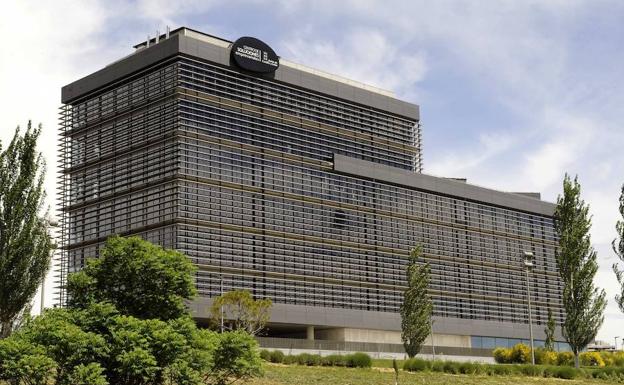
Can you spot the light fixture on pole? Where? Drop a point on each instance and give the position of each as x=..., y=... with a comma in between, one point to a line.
x=528, y=265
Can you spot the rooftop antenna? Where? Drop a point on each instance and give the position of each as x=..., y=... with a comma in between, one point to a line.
x=167, y=34
x=157, y=36
x=148, y=41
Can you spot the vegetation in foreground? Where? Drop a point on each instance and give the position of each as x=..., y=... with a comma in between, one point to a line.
x=127, y=324
x=305, y=375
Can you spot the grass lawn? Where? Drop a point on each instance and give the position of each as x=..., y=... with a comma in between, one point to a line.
x=305, y=375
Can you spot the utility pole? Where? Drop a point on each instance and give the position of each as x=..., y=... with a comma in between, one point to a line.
x=222, y=304
x=528, y=264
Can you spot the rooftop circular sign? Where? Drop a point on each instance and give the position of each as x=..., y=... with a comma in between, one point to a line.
x=254, y=55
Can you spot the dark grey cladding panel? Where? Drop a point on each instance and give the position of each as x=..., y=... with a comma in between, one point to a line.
x=329, y=317
x=221, y=55
x=352, y=166
x=120, y=69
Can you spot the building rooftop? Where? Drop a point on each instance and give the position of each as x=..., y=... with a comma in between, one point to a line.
x=220, y=42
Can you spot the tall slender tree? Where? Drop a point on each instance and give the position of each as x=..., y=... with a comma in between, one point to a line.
x=549, y=330
x=584, y=303
x=417, y=306
x=25, y=244
x=618, y=247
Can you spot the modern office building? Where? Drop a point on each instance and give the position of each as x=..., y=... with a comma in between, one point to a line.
x=300, y=186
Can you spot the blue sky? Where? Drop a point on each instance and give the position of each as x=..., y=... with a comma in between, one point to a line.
x=513, y=94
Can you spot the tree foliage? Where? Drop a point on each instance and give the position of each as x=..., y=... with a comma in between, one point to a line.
x=138, y=277
x=417, y=306
x=584, y=303
x=96, y=343
x=241, y=311
x=618, y=247
x=25, y=244
x=549, y=342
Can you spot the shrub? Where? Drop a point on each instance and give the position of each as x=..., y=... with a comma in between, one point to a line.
x=359, y=360
x=608, y=358
x=468, y=368
x=451, y=367
x=416, y=365
x=276, y=357
x=545, y=357
x=531, y=370
x=566, y=373
x=334, y=360
x=549, y=371
x=91, y=374
x=565, y=359
x=520, y=354
x=501, y=370
x=290, y=360
x=618, y=358
x=502, y=355
x=592, y=359
x=308, y=359
x=265, y=355
x=437, y=366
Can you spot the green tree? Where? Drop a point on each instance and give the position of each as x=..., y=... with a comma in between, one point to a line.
x=618, y=247
x=240, y=311
x=25, y=244
x=549, y=343
x=141, y=279
x=90, y=374
x=584, y=303
x=96, y=343
x=417, y=306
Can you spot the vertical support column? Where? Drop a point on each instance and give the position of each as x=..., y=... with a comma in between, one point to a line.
x=310, y=333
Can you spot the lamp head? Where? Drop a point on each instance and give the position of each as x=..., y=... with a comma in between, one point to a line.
x=528, y=259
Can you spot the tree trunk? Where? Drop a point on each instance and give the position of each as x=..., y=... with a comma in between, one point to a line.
x=576, y=360
x=5, y=329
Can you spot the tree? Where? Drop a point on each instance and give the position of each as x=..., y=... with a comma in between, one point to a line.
x=549, y=343
x=618, y=247
x=417, y=306
x=584, y=304
x=240, y=311
x=141, y=279
x=25, y=244
x=95, y=343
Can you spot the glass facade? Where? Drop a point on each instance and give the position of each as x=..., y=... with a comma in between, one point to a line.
x=236, y=172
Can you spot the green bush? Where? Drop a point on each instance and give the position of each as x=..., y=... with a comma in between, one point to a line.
x=502, y=355
x=265, y=355
x=290, y=360
x=566, y=372
x=501, y=370
x=276, y=357
x=565, y=359
x=437, y=366
x=520, y=354
x=308, y=359
x=468, y=368
x=416, y=365
x=359, y=360
x=531, y=370
x=451, y=367
x=334, y=360
x=91, y=374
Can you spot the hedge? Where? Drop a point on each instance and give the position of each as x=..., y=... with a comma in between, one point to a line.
x=355, y=360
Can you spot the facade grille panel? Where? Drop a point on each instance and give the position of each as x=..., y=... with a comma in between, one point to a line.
x=236, y=171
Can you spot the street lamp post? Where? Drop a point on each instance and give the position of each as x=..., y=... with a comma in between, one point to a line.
x=528, y=264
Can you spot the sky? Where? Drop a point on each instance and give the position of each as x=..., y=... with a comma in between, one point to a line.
x=513, y=94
